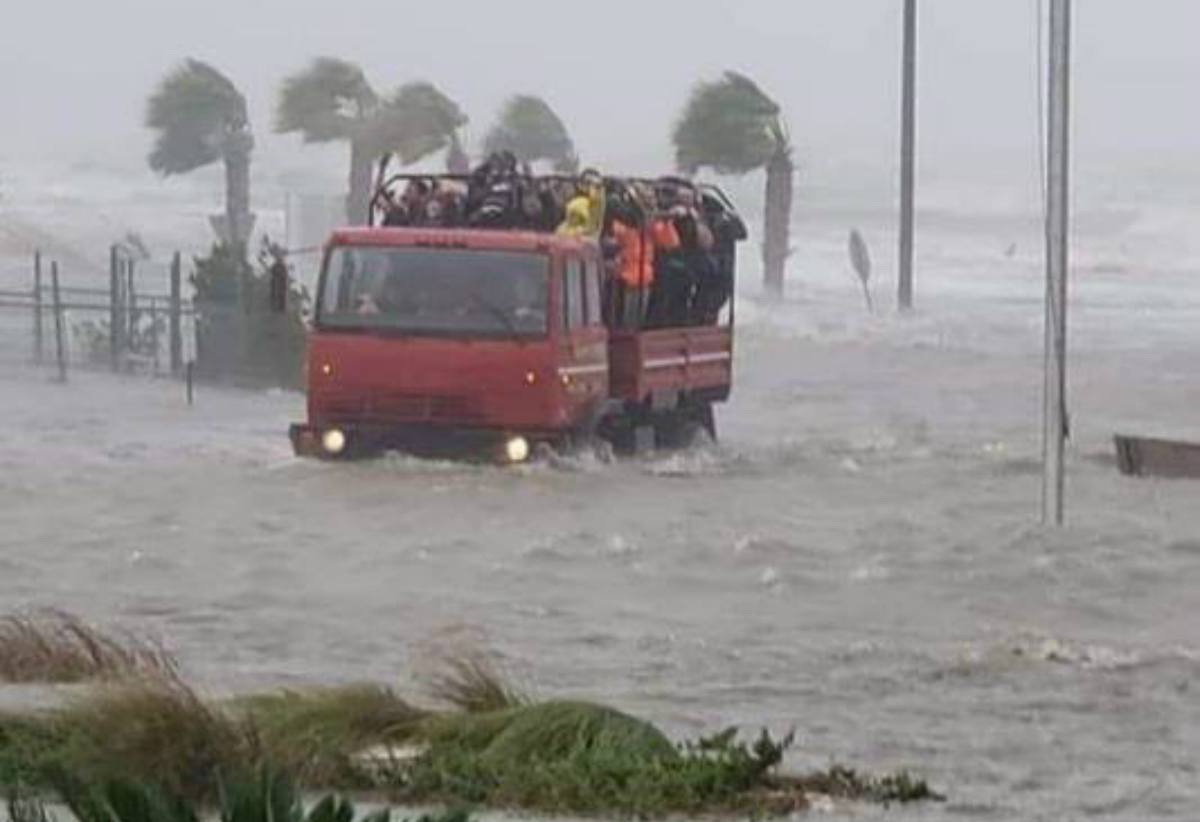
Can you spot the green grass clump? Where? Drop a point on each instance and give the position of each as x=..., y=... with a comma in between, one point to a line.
x=156, y=730
x=565, y=730
x=470, y=683
x=150, y=749
x=577, y=757
x=319, y=733
x=469, y=733
x=847, y=783
x=26, y=744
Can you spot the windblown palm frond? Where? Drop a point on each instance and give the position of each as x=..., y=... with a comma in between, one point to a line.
x=530, y=129
x=415, y=122
x=329, y=100
x=195, y=109
x=729, y=125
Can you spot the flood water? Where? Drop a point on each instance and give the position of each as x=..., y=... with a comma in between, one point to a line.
x=859, y=558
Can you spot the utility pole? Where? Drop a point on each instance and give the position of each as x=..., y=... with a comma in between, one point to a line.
x=908, y=146
x=1057, y=257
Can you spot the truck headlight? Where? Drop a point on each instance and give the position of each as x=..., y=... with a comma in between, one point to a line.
x=334, y=441
x=517, y=449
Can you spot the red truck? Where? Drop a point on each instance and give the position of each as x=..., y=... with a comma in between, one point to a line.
x=493, y=342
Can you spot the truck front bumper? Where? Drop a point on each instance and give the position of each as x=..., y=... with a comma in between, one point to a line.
x=340, y=441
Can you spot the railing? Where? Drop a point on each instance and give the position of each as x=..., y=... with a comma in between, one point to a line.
x=123, y=327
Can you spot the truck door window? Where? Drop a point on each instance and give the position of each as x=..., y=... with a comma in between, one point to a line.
x=573, y=312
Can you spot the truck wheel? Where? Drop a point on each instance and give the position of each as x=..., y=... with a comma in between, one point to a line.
x=686, y=428
x=618, y=432
x=594, y=444
x=603, y=451
x=670, y=431
x=546, y=452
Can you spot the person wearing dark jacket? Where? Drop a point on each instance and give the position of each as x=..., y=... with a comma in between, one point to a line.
x=685, y=268
x=539, y=210
x=728, y=230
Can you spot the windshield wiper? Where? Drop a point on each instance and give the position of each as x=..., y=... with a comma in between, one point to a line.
x=500, y=314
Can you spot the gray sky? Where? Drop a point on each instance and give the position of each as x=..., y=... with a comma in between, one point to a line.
x=74, y=75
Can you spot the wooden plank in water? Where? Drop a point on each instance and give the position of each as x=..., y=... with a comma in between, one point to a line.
x=1148, y=456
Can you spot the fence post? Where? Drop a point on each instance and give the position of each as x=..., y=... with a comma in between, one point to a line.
x=114, y=307
x=58, y=324
x=154, y=337
x=176, y=312
x=130, y=304
x=37, y=307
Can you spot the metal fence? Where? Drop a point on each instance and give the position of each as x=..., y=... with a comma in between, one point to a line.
x=129, y=325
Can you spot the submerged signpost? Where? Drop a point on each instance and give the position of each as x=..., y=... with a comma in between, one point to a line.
x=860, y=258
x=1055, y=422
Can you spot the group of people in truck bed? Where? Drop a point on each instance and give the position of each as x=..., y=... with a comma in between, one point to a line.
x=668, y=246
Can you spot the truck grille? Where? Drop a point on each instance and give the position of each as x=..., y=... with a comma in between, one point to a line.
x=390, y=407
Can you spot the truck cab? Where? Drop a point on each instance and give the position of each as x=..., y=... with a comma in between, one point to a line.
x=460, y=341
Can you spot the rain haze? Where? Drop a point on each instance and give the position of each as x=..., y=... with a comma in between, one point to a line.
x=852, y=547
x=75, y=76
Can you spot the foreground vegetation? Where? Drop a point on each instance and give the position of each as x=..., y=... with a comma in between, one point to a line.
x=54, y=646
x=488, y=745
x=265, y=796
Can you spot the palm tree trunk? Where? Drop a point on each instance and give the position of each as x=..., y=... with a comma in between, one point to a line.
x=237, y=194
x=457, y=161
x=358, y=200
x=777, y=219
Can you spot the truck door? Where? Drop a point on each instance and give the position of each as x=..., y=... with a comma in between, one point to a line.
x=583, y=339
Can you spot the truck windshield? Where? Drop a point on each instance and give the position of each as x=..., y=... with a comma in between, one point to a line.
x=435, y=291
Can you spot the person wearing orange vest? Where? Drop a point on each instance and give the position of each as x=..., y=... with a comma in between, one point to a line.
x=638, y=247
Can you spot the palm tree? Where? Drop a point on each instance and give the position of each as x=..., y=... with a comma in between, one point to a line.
x=530, y=129
x=201, y=117
x=332, y=100
x=731, y=126
x=457, y=159
x=416, y=121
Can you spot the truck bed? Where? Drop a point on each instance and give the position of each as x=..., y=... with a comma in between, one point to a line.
x=694, y=360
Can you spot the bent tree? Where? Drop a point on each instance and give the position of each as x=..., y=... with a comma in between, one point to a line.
x=200, y=117
x=731, y=126
x=530, y=129
x=331, y=100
